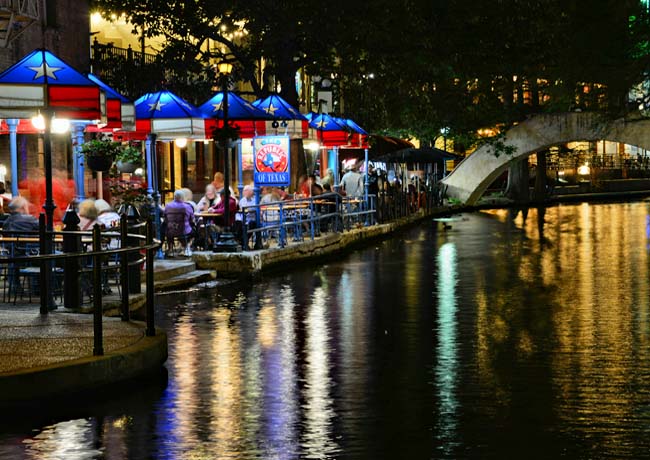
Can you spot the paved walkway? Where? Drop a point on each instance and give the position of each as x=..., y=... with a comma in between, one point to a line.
x=31, y=340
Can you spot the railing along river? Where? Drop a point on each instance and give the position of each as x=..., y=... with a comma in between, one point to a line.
x=29, y=256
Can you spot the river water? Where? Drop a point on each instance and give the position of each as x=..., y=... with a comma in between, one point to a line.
x=508, y=335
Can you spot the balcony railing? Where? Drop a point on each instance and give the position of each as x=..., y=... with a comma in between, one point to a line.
x=130, y=72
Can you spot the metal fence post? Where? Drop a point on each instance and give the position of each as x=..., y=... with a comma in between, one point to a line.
x=124, y=267
x=44, y=279
x=151, y=328
x=98, y=347
x=71, y=243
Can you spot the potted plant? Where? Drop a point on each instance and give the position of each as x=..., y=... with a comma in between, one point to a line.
x=128, y=159
x=227, y=135
x=100, y=153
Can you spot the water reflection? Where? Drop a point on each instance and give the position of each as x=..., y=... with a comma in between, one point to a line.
x=510, y=335
x=447, y=367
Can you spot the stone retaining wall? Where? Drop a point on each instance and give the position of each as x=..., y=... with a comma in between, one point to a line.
x=252, y=263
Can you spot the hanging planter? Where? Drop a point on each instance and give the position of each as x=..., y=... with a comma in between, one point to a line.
x=100, y=153
x=227, y=135
x=128, y=159
x=126, y=166
x=99, y=163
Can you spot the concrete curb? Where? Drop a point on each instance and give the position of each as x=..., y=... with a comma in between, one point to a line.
x=145, y=356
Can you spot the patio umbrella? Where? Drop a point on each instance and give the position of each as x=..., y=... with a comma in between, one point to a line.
x=168, y=116
x=248, y=116
x=42, y=82
x=284, y=115
x=165, y=116
x=120, y=110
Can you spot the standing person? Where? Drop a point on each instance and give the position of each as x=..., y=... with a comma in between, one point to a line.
x=373, y=181
x=218, y=181
x=315, y=188
x=352, y=183
x=5, y=198
x=329, y=178
x=19, y=218
x=179, y=219
x=303, y=190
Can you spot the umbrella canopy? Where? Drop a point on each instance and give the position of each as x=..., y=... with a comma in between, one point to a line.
x=120, y=110
x=355, y=127
x=285, y=117
x=168, y=116
x=249, y=119
x=278, y=108
x=330, y=132
x=238, y=108
x=42, y=81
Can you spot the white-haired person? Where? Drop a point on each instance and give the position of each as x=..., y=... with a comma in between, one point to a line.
x=87, y=214
x=189, y=198
x=247, y=216
x=106, y=215
x=179, y=222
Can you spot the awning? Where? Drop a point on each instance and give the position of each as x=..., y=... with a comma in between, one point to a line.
x=413, y=155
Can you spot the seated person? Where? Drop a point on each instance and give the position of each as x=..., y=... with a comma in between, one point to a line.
x=87, y=214
x=19, y=219
x=208, y=236
x=106, y=216
x=247, y=217
x=189, y=198
x=179, y=221
x=210, y=199
x=220, y=208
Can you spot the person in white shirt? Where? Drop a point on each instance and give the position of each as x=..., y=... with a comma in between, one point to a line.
x=248, y=217
x=352, y=183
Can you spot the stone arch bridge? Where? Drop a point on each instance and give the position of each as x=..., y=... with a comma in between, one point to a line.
x=475, y=173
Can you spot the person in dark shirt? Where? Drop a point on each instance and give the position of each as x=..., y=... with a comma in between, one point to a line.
x=19, y=219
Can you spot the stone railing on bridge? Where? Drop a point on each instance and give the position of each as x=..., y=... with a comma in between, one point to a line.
x=474, y=175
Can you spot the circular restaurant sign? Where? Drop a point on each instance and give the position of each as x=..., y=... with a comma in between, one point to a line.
x=271, y=158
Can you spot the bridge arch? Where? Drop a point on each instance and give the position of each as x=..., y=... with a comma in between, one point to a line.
x=475, y=173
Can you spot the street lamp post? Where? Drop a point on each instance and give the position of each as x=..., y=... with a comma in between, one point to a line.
x=226, y=241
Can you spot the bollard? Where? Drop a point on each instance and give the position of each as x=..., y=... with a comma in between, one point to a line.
x=151, y=328
x=124, y=268
x=98, y=347
x=71, y=243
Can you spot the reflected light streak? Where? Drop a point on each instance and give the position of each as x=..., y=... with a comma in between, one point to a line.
x=226, y=387
x=184, y=361
x=280, y=390
x=447, y=363
x=317, y=439
x=72, y=440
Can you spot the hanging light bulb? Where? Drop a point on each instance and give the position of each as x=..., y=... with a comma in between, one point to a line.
x=60, y=125
x=38, y=122
x=180, y=142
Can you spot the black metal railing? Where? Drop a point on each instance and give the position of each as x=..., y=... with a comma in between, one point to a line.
x=26, y=254
x=129, y=72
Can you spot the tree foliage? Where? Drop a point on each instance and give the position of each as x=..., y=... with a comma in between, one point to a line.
x=413, y=67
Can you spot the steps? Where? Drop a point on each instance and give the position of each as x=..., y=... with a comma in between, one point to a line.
x=173, y=274
x=169, y=274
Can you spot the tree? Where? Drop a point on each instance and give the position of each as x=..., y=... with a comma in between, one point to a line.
x=412, y=67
